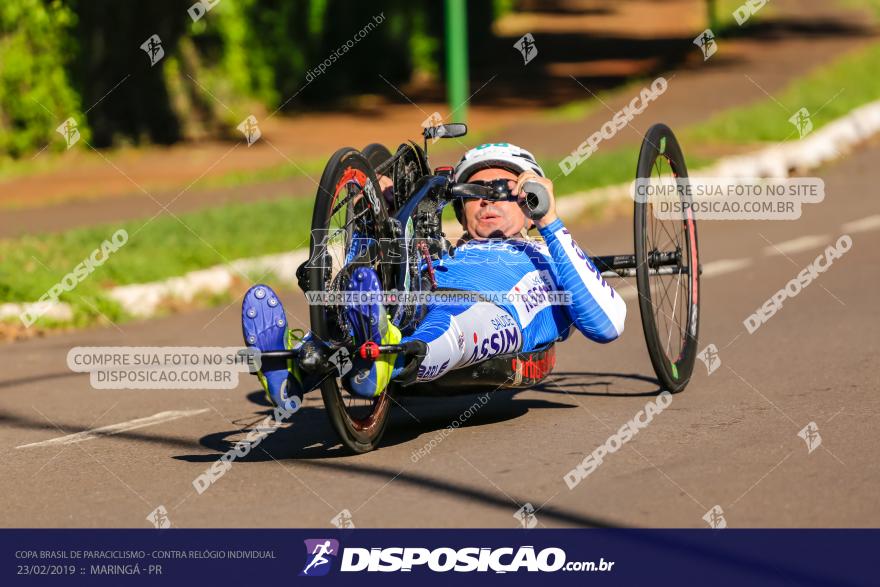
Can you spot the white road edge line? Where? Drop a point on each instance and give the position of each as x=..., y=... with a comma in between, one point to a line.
x=722, y=266
x=863, y=224
x=796, y=245
x=117, y=428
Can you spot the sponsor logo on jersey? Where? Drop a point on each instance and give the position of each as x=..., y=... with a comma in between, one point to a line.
x=506, y=340
x=529, y=295
x=535, y=296
x=432, y=371
x=499, y=322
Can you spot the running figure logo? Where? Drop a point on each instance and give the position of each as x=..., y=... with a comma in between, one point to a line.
x=250, y=129
x=715, y=518
x=710, y=358
x=810, y=435
x=342, y=360
x=343, y=519
x=706, y=42
x=435, y=121
x=319, y=554
x=159, y=518
x=802, y=121
x=526, y=46
x=153, y=48
x=68, y=129
x=526, y=516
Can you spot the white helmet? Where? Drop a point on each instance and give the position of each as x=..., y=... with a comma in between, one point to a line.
x=503, y=155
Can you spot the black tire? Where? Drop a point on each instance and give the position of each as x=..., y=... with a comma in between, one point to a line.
x=348, y=203
x=410, y=165
x=671, y=340
x=376, y=154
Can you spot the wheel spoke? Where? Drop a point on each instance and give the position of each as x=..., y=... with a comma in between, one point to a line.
x=351, y=222
x=669, y=308
x=674, y=308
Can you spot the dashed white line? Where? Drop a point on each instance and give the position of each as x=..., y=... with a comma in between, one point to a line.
x=863, y=224
x=722, y=266
x=159, y=418
x=803, y=243
x=628, y=290
x=797, y=245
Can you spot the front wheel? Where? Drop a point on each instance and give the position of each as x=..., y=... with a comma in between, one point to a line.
x=667, y=262
x=348, y=223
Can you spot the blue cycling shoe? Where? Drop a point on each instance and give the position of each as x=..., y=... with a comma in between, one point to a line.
x=264, y=326
x=369, y=323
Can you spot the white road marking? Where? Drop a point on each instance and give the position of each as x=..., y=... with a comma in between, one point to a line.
x=796, y=245
x=722, y=266
x=863, y=224
x=117, y=428
x=628, y=290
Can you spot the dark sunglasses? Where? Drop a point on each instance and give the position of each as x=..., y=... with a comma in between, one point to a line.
x=502, y=188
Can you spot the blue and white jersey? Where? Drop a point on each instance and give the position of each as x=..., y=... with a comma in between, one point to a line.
x=530, y=271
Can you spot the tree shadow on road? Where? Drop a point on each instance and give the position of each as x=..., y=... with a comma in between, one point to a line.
x=496, y=499
x=600, y=384
x=311, y=437
x=43, y=377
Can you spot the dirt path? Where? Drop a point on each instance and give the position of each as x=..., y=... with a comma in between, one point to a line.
x=131, y=183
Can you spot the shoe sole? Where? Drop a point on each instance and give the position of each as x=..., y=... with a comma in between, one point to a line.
x=264, y=326
x=263, y=322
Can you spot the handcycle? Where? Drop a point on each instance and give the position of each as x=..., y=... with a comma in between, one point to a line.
x=355, y=225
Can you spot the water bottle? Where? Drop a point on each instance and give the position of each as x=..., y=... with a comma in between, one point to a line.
x=537, y=200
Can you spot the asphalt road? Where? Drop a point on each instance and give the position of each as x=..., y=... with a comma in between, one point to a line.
x=729, y=440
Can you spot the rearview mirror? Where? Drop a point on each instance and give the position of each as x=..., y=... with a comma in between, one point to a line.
x=445, y=131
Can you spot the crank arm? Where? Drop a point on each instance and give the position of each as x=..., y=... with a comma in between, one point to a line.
x=313, y=358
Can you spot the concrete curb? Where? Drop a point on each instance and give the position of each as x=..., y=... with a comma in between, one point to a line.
x=831, y=142
x=142, y=300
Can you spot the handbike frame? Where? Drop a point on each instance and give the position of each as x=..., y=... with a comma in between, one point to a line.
x=421, y=214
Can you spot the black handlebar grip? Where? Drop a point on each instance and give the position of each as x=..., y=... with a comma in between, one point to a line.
x=537, y=200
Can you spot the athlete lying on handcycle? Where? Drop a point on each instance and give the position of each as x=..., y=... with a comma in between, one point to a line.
x=495, y=255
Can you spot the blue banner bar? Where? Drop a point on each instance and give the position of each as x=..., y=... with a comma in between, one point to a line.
x=437, y=557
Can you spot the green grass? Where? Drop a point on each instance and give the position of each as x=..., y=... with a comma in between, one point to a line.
x=871, y=5
x=851, y=81
x=30, y=265
x=166, y=247
x=274, y=173
x=828, y=92
x=606, y=168
x=579, y=109
x=14, y=168
x=163, y=248
x=279, y=172
x=727, y=22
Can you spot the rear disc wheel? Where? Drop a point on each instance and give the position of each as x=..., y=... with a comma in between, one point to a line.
x=668, y=294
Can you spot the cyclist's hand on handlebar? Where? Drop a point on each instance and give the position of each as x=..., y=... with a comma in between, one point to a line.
x=525, y=176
